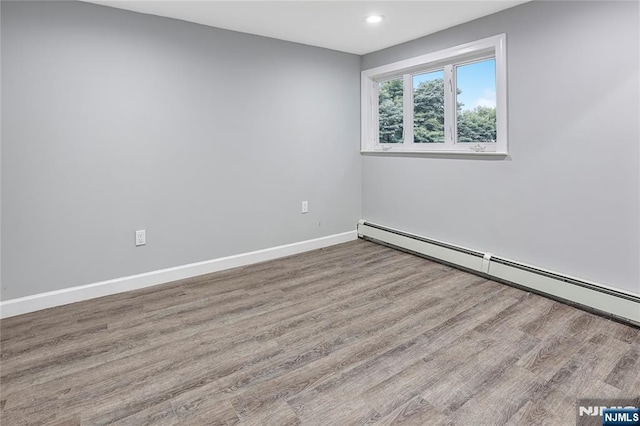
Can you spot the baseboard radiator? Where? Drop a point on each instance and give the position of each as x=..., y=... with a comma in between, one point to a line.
x=603, y=300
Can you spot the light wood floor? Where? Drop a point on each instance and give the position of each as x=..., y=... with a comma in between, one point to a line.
x=353, y=334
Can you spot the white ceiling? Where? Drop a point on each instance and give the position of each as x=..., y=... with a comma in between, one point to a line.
x=337, y=25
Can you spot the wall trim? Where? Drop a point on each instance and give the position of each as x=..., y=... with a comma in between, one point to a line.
x=599, y=298
x=36, y=302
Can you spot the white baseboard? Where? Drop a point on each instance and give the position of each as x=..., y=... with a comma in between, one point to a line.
x=604, y=299
x=36, y=302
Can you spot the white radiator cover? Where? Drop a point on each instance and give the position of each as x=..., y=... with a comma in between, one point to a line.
x=606, y=300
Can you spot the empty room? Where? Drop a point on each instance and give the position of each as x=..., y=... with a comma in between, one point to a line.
x=320, y=212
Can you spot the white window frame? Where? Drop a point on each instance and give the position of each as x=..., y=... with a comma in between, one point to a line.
x=447, y=59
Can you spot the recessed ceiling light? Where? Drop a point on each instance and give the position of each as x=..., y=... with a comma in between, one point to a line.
x=374, y=19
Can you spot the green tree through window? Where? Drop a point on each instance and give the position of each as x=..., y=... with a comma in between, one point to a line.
x=428, y=111
x=477, y=125
x=390, y=111
x=473, y=125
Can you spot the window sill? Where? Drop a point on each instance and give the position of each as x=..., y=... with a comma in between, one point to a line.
x=424, y=152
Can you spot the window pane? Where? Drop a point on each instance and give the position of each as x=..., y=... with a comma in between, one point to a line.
x=428, y=107
x=390, y=111
x=476, y=100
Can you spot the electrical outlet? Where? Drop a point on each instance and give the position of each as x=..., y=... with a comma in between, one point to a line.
x=305, y=207
x=141, y=237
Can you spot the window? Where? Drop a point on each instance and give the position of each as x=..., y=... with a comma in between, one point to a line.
x=451, y=101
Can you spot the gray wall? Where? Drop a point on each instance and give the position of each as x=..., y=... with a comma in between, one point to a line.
x=567, y=197
x=209, y=139
x=114, y=121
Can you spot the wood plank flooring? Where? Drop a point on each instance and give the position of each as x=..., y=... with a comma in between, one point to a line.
x=352, y=334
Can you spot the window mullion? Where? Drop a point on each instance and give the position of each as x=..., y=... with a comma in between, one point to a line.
x=375, y=113
x=449, y=106
x=407, y=109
